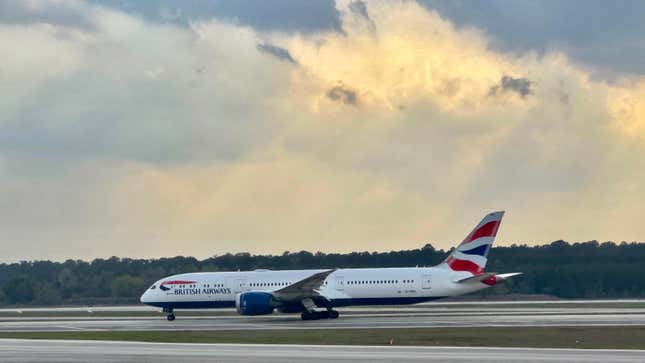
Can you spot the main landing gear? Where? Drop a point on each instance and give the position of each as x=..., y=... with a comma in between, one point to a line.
x=170, y=315
x=315, y=315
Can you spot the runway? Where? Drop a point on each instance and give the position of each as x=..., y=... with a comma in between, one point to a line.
x=16, y=350
x=352, y=318
x=442, y=315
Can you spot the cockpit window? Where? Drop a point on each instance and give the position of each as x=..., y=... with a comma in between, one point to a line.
x=153, y=287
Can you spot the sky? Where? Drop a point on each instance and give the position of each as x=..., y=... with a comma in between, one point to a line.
x=162, y=128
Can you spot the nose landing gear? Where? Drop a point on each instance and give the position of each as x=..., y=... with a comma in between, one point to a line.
x=170, y=315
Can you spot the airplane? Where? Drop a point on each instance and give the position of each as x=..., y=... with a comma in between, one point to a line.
x=316, y=293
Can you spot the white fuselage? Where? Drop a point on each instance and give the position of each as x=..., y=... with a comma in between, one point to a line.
x=343, y=287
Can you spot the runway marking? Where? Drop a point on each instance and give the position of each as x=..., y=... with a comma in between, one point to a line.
x=48, y=350
x=427, y=318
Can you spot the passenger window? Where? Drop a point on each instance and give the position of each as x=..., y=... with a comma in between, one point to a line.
x=153, y=287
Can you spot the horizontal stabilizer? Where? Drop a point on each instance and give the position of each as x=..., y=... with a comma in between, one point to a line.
x=476, y=278
x=502, y=277
x=488, y=278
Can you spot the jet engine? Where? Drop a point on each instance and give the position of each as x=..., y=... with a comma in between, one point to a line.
x=254, y=303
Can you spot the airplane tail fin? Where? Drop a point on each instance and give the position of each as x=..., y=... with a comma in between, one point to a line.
x=472, y=254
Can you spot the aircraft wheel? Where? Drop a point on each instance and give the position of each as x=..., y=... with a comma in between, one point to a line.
x=170, y=317
x=309, y=316
x=333, y=314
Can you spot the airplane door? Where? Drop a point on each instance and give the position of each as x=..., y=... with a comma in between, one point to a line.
x=425, y=281
x=340, y=283
x=237, y=285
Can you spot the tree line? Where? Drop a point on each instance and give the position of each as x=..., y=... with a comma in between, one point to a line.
x=560, y=269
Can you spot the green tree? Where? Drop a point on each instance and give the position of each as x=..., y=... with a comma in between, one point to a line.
x=46, y=294
x=19, y=290
x=126, y=286
x=67, y=281
x=569, y=270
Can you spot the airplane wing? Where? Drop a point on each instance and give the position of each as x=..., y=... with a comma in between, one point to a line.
x=305, y=288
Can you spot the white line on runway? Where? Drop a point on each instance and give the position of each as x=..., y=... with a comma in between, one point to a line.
x=17, y=350
x=143, y=308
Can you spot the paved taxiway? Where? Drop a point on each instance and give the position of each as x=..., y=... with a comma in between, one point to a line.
x=15, y=350
x=404, y=317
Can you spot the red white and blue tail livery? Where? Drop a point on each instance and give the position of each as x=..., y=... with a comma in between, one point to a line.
x=306, y=292
x=472, y=254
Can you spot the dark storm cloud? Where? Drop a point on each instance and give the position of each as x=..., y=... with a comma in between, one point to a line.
x=343, y=94
x=522, y=86
x=359, y=8
x=282, y=15
x=276, y=51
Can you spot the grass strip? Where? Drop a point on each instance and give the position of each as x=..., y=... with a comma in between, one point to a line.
x=606, y=337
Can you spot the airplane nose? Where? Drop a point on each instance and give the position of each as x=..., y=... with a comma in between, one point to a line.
x=145, y=297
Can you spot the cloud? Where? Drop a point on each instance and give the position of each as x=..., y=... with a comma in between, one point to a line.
x=521, y=86
x=277, y=52
x=82, y=94
x=606, y=39
x=359, y=8
x=276, y=15
x=139, y=137
x=343, y=94
x=68, y=13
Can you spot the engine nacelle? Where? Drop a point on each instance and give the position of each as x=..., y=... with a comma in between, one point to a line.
x=254, y=303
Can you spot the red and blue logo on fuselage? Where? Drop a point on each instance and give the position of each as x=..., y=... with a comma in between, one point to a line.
x=167, y=285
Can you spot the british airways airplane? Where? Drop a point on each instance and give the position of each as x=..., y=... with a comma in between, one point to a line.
x=315, y=293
